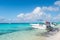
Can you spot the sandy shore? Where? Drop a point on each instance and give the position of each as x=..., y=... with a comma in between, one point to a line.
x=24, y=35
x=54, y=37
x=29, y=35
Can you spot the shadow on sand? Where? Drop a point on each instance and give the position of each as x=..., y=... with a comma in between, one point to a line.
x=50, y=33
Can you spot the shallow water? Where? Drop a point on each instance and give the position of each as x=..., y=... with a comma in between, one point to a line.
x=8, y=28
x=23, y=35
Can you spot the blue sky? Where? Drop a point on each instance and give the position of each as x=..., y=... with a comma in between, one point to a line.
x=9, y=9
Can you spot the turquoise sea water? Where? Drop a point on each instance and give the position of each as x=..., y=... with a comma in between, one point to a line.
x=13, y=27
x=7, y=28
x=18, y=31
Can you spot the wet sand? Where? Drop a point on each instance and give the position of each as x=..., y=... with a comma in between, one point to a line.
x=24, y=35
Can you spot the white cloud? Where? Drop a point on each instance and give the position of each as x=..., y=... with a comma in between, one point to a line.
x=2, y=19
x=34, y=16
x=57, y=18
x=38, y=14
x=50, y=8
x=57, y=3
x=20, y=15
x=36, y=10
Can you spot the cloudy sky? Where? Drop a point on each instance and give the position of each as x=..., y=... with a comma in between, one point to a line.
x=29, y=10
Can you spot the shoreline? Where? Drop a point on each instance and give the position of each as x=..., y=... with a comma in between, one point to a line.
x=24, y=35
x=29, y=35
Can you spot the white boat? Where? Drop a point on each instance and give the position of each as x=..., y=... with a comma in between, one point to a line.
x=38, y=26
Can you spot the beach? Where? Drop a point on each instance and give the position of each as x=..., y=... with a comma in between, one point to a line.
x=56, y=36
x=24, y=35
x=29, y=19
x=34, y=34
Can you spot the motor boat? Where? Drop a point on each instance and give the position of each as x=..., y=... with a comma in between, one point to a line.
x=39, y=26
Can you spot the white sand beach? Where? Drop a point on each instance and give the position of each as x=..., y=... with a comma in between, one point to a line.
x=54, y=37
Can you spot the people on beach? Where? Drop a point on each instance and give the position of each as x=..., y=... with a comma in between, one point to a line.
x=48, y=26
